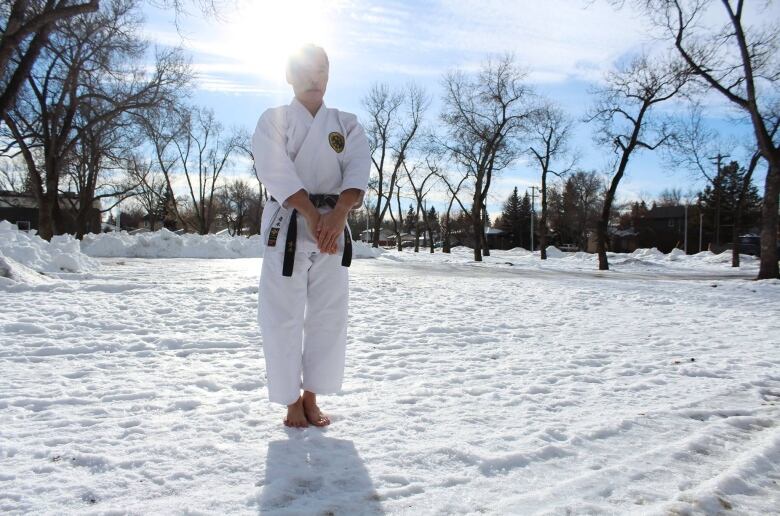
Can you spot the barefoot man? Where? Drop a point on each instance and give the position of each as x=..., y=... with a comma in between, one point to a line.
x=314, y=161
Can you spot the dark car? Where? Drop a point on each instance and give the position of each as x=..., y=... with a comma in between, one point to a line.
x=751, y=244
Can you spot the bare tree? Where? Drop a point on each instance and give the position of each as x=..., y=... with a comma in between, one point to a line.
x=161, y=128
x=741, y=62
x=454, y=190
x=89, y=74
x=670, y=197
x=26, y=27
x=13, y=175
x=152, y=192
x=422, y=177
x=484, y=116
x=235, y=199
x=550, y=136
x=624, y=114
x=696, y=147
x=204, y=150
x=395, y=118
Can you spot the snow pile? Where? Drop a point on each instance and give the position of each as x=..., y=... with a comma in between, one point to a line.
x=13, y=272
x=641, y=260
x=363, y=250
x=652, y=253
x=554, y=252
x=62, y=254
x=165, y=244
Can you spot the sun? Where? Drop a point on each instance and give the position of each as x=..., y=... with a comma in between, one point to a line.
x=261, y=34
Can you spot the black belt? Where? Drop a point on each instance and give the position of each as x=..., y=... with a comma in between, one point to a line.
x=318, y=200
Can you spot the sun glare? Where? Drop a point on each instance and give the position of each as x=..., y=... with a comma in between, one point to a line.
x=262, y=34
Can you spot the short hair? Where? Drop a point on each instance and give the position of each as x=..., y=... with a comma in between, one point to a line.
x=303, y=54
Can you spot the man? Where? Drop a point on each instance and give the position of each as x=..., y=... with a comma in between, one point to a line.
x=314, y=161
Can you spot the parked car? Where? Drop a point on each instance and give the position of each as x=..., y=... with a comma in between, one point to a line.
x=751, y=244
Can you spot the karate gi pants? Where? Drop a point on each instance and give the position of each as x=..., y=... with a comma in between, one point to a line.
x=303, y=322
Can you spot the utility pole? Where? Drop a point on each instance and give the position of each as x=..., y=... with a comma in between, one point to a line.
x=685, y=229
x=716, y=183
x=701, y=223
x=533, y=210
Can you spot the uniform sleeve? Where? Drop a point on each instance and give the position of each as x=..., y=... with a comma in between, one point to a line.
x=357, y=158
x=274, y=167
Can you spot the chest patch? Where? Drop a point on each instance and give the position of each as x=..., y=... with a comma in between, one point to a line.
x=336, y=141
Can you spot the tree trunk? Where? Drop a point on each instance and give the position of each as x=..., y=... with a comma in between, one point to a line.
x=417, y=229
x=768, y=268
x=543, y=220
x=601, y=244
x=81, y=220
x=400, y=219
x=602, y=227
x=377, y=222
x=45, y=218
x=445, y=248
x=485, y=246
x=735, y=237
x=476, y=223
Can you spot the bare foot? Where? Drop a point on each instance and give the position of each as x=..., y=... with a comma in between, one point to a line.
x=313, y=413
x=296, y=416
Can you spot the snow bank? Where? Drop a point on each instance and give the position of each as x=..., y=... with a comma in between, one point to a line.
x=165, y=244
x=13, y=272
x=363, y=250
x=62, y=254
x=554, y=252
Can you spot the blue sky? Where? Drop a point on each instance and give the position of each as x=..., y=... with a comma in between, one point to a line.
x=566, y=46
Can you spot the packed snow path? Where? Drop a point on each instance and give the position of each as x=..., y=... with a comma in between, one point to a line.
x=469, y=389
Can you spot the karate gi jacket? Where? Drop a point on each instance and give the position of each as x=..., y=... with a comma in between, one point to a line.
x=324, y=154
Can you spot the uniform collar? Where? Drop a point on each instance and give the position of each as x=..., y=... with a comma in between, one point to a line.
x=296, y=104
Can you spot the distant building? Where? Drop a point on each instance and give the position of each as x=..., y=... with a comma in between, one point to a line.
x=662, y=227
x=384, y=236
x=498, y=238
x=21, y=208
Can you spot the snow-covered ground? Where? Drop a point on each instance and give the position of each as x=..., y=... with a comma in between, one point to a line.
x=137, y=385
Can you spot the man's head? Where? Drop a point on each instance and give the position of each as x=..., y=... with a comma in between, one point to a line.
x=307, y=72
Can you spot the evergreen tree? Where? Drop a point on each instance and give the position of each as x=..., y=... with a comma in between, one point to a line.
x=515, y=218
x=410, y=222
x=723, y=196
x=433, y=220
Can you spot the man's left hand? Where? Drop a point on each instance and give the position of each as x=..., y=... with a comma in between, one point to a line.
x=330, y=227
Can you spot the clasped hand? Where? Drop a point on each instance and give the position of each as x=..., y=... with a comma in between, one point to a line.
x=326, y=229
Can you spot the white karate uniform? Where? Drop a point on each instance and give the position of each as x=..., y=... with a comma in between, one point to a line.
x=303, y=317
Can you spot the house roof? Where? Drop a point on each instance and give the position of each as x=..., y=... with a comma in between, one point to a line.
x=9, y=193
x=666, y=212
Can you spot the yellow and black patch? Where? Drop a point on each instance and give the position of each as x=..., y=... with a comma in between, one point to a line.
x=272, y=236
x=336, y=141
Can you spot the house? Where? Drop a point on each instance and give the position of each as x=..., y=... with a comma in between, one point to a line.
x=21, y=208
x=384, y=236
x=620, y=240
x=498, y=238
x=662, y=227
